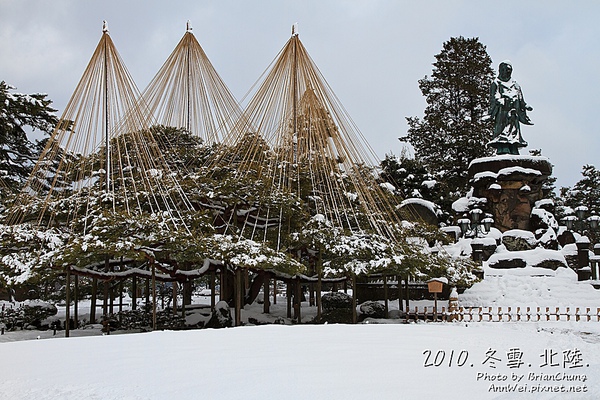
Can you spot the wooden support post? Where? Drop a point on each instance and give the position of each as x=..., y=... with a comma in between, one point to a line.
x=153, y=295
x=298, y=301
x=213, y=285
x=238, y=284
x=385, y=295
x=93, y=302
x=354, y=317
x=68, y=301
x=319, y=284
x=266, y=294
x=106, y=284
x=407, y=288
x=400, y=296
x=106, y=296
x=148, y=280
x=134, y=293
x=120, y=301
x=435, y=307
x=75, y=302
x=288, y=296
x=223, y=295
x=274, y=290
x=112, y=299
x=186, y=292
x=174, y=297
x=319, y=290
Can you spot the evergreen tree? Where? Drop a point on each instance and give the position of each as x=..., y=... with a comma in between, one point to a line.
x=455, y=128
x=586, y=192
x=17, y=111
x=410, y=177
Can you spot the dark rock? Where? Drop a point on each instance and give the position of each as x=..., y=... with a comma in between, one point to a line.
x=551, y=264
x=336, y=300
x=565, y=237
x=372, y=309
x=419, y=210
x=221, y=317
x=35, y=311
x=547, y=238
x=518, y=240
x=488, y=250
x=506, y=263
x=542, y=219
x=337, y=308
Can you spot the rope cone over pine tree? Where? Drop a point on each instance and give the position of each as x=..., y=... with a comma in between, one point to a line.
x=102, y=156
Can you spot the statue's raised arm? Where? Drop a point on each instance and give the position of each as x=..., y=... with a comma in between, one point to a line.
x=508, y=110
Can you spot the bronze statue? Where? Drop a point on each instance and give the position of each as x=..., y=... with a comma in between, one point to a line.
x=509, y=110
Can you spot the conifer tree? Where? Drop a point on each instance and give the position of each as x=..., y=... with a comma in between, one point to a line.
x=17, y=111
x=455, y=128
x=586, y=192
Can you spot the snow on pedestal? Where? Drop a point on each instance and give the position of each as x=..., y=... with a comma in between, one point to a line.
x=511, y=184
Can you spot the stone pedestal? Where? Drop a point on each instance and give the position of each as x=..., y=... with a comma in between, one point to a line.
x=511, y=184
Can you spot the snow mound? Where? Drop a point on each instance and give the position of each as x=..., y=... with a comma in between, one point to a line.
x=512, y=290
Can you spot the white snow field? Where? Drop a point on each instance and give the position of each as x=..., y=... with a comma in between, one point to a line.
x=549, y=360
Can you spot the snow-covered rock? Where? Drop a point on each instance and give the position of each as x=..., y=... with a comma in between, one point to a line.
x=518, y=240
x=538, y=258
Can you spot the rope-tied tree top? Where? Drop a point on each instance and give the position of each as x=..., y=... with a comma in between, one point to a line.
x=102, y=156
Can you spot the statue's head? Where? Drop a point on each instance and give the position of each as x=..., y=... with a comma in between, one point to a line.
x=505, y=70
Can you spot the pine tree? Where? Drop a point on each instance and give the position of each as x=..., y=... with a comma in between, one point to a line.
x=410, y=176
x=455, y=128
x=17, y=111
x=586, y=192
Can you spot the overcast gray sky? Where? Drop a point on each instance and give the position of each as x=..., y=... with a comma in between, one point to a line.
x=372, y=53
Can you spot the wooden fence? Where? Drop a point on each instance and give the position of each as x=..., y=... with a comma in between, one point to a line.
x=505, y=314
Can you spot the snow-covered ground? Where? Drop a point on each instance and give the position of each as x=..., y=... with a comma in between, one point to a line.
x=387, y=361
x=391, y=360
